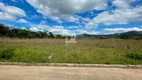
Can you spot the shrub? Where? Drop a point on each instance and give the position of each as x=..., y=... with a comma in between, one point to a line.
x=7, y=54
x=136, y=56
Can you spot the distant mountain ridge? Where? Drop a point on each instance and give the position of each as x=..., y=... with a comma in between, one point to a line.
x=125, y=35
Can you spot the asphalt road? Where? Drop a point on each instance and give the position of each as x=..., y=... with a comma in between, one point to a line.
x=8, y=72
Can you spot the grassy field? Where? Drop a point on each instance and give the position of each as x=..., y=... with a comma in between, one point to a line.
x=107, y=51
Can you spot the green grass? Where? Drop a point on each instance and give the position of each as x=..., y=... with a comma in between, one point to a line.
x=109, y=51
x=136, y=56
x=6, y=54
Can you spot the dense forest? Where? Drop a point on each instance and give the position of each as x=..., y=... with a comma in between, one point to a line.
x=25, y=33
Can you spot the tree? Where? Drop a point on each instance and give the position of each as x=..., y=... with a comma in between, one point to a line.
x=124, y=36
x=20, y=33
x=51, y=35
x=4, y=30
x=59, y=36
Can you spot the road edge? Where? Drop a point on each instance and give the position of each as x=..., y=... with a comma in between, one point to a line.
x=72, y=65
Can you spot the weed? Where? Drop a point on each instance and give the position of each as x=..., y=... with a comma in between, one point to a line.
x=136, y=56
x=6, y=54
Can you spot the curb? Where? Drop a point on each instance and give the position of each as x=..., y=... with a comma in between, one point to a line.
x=72, y=65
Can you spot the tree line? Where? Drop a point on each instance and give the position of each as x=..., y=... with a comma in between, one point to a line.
x=25, y=33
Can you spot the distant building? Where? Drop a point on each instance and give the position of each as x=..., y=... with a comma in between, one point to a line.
x=70, y=39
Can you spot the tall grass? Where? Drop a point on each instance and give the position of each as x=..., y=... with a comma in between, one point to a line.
x=107, y=51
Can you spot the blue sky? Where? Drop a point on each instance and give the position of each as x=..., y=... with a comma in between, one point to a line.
x=69, y=17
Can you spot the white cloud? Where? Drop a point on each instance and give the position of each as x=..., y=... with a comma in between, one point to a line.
x=56, y=19
x=42, y=26
x=61, y=30
x=58, y=30
x=43, y=22
x=120, y=15
x=22, y=21
x=10, y=12
x=23, y=28
x=54, y=29
x=91, y=25
x=35, y=16
x=83, y=31
x=92, y=32
x=66, y=8
x=74, y=19
x=18, y=1
x=6, y=16
x=73, y=27
x=34, y=29
x=86, y=19
x=122, y=3
x=120, y=30
x=14, y=0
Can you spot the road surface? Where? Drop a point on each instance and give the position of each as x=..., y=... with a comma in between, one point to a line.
x=8, y=72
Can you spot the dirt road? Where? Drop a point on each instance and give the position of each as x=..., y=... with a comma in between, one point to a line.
x=8, y=72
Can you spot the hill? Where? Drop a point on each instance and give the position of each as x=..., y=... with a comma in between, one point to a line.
x=125, y=35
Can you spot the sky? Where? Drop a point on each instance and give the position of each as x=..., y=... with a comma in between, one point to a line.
x=69, y=17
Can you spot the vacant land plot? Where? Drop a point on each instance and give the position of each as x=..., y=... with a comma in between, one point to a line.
x=107, y=51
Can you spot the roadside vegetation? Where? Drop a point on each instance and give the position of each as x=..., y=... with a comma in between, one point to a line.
x=97, y=51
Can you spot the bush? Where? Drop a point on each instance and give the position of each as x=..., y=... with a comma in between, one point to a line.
x=136, y=56
x=7, y=54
